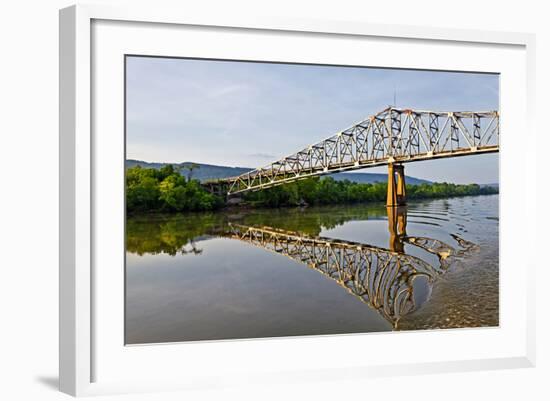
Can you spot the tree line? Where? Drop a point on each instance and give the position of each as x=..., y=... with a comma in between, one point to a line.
x=167, y=190
x=326, y=191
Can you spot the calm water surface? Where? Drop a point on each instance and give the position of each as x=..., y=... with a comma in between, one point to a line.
x=315, y=270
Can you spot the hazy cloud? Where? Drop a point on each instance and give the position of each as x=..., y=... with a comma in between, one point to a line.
x=263, y=156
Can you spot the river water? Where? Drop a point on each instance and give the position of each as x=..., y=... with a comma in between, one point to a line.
x=312, y=271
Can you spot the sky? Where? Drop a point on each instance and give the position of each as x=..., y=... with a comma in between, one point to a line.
x=247, y=114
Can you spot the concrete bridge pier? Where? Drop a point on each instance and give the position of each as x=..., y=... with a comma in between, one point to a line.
x=397, y=195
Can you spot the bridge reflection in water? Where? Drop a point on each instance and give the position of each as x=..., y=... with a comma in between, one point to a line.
x=384, y=279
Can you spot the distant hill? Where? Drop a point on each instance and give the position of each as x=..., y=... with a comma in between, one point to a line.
x=203, y=173
x=209, y=171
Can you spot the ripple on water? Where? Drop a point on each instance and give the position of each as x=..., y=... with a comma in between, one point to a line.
x=467, y=296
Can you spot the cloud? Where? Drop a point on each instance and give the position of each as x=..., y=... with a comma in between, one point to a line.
x=262, y=155
x=230, y=91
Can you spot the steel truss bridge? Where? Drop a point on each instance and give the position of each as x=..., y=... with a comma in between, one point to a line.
x=381, y=278
x=391, y=137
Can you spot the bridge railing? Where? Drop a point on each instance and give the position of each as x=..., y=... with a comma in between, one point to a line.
x=390, y=136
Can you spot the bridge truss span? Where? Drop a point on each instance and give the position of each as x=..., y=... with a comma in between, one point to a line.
x=391, y=136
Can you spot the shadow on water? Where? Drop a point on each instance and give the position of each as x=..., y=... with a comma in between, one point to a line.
x=388, y=280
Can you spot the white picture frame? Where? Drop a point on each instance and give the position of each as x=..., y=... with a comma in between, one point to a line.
x=80, y=209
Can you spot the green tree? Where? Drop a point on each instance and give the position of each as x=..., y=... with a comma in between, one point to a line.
x=165, y=190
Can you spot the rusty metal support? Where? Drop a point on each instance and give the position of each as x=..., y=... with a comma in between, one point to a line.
x=392, y=191
x=397, y=195
x=400, y=187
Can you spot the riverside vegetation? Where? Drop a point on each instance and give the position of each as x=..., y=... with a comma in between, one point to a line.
x=166, y=190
